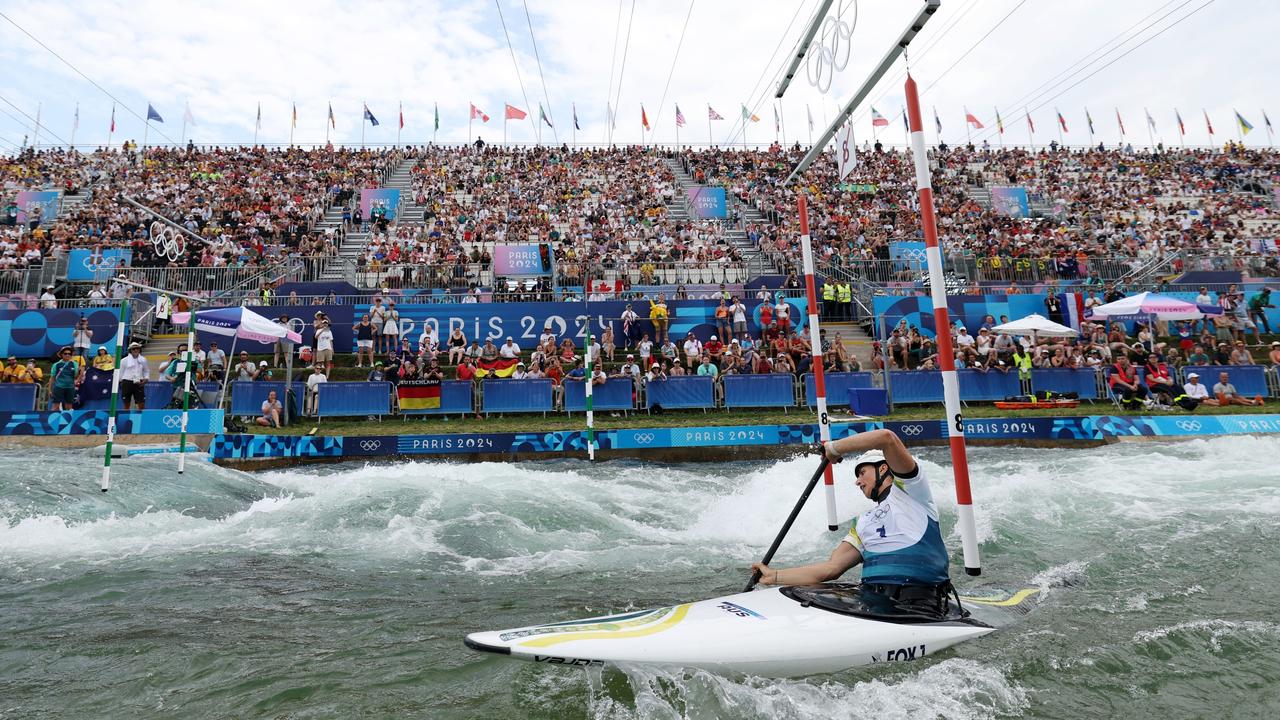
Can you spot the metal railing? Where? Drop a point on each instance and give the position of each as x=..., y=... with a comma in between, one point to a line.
x=445, y=276
x=1002, y=270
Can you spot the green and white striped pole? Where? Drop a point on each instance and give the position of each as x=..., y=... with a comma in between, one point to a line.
x=186, y=389
x=115, y=401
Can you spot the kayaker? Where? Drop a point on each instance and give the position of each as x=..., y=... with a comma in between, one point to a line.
x=898, y=542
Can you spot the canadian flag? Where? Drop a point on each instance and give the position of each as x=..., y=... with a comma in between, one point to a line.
x=515, y=113
x=478, y=113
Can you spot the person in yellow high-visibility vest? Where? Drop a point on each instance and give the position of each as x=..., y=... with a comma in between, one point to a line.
x=844, y=295
x=828, y=299
x=658, y=316
x=1022, y=361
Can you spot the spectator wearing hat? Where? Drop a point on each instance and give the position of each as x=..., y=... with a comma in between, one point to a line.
x=509, y=350
x=103, y=362
x=246, y=370
x=520, y=373
x=64, y=377
x=1274, y=355
x=324, y=343
x=280, y=350
x=1197, y=391
x=629, y=369
x=48, y=301
x=264, y=372
x=377, y=374
x=215, y=362
x=14, y=372
x=1222, y=354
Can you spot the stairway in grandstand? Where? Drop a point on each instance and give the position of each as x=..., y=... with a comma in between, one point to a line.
x=856, y=340
x=755, y=261
x=343, y=266
x=157, y=349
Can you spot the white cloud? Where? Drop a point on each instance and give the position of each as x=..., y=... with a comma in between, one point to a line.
x=225, y=58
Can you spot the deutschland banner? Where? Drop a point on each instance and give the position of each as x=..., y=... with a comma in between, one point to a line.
x=423, y=395
x=498, y=368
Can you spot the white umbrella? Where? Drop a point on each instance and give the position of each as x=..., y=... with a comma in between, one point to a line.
x=1161, y=307
x=1036, y=326
x=241, y=322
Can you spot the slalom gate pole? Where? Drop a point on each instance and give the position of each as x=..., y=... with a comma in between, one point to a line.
x=942, y=324
x=115, y=401
x=823, y=467
x=591, y=416
x=815, y=343
x=186, y=390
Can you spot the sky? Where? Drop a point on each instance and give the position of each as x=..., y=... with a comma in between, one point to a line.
x=225, y=60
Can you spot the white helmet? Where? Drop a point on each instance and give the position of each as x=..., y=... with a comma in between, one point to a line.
x=870, y=457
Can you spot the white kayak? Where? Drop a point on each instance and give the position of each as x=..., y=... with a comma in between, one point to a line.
x=775, y=632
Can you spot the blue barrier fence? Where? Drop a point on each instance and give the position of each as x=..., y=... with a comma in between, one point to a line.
x=517, y=395
x=910, y=386
x=1249, y=380
x=457, y=397
x=353, y=399
x=683, y=391
x=615, y=394
x=19, y=397
x=1064, y=380
x=837, y=385
x=771, y=390
x=247, y=397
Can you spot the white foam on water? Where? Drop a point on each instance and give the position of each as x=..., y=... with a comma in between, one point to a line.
x=954, y=688
x=1214, y=628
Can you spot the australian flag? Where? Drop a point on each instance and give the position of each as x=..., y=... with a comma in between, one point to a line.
x=369, y=116
x=152, y=114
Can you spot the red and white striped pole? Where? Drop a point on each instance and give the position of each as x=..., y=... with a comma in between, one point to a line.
x=815, y=342
x=942, y=323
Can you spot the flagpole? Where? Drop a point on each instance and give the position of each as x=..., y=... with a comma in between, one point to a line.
x=809, y=116
x=75, y=126
x=999, y=126
x=1061, y=143
x=293, y=123
x=1239, y=128
x=710, y=140
x=1151, y=138
x=112, y=129
x=968, y=130
x=400, y=124
x=1267, y=121
x=1088, y=119
x=362, y=122
x=471, y=117
x=35, y=141
x=146, y=128
x=783, y=117
x=504, y=127
x=1031, y=138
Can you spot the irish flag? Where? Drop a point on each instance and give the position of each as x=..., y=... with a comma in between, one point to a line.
x=498, y=368
x=424, y=395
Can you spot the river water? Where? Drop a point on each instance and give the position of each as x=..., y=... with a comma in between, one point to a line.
x=345, y=590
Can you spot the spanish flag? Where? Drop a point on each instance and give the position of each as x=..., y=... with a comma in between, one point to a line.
x=424, y=395
x=498, y=368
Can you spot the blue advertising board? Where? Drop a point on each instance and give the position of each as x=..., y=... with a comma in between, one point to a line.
x=40, y=333
x=387, y=198
x=708, y=202
x=90, y=266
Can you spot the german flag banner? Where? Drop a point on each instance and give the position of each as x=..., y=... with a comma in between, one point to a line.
x=497, y=368
x=419, y=395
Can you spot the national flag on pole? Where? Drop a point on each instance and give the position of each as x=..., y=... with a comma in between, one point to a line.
x=644, y=117
x=748, y=115
x=1207, y=123
x=153, y=115
x=1151, y=122
x=419, y=395
x=1182, y=128
x=542, y=115
x=294, y=122
x=846, y=150
x=332, y=124
x=478, y=113
x=1030, y=123
x=75, y=121
x=515, y=113
x=369, y=116
x=777, y=127
x=1061, y=120
x=973, y=120
x=113, y=117
x=713, y=115
x=878, y=120
x=401, y=116
x=1089, y=119
x=937, y=121
x=437, y=109
x=1120, y=122
x=1245, y=127
x=906, y=127
x=999, y=123
x=576, y=126
x=257, y=124
x=609, y=116
x=1267, y=121
x=187, y=117
x=679, y=117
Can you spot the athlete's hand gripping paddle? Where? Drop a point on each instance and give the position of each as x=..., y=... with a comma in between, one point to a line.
x=786, y=526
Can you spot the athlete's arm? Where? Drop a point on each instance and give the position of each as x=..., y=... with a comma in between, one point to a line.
x=886, y=441
x=842, y=558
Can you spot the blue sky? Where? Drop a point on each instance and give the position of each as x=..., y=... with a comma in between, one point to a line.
x=225, y=58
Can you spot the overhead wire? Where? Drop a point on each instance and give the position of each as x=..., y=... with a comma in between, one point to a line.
x=514, y=62
x=541, y=77
x=91, y=81
x=1114, y=60
x=740, y=124
x=663, y=102
x=974, y=46
x=626, y=47
x=39, y=125
x=613, y=62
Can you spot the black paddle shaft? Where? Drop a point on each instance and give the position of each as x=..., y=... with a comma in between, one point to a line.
x=786, y=526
